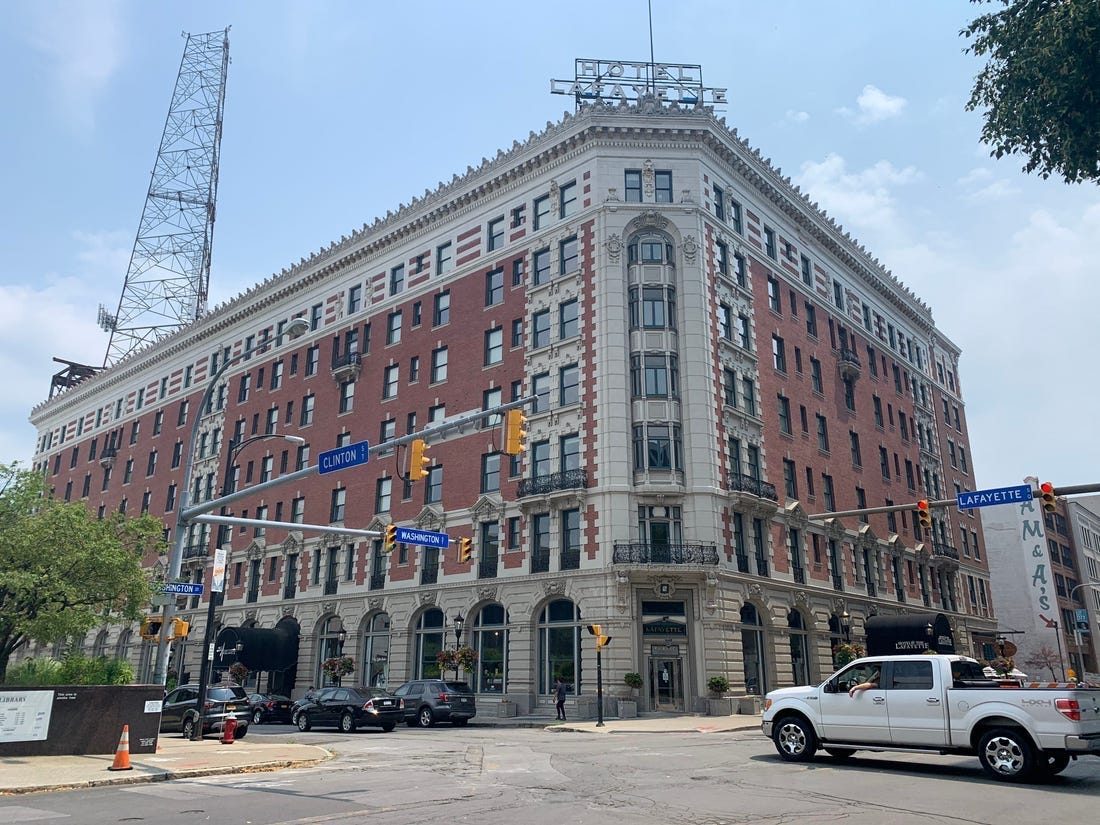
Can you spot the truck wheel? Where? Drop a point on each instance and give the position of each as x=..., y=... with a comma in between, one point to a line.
x=794, y=739
x=1006, y=754
x=842, y=754
x=1051, y=764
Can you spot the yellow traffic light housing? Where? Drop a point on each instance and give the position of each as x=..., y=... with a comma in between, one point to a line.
x=418, y=460
x=464, y=551
x=515, y=435
x=389, y=541
x=150, y=628
x=924, y=515
x=179, y=629
x=1046, y=493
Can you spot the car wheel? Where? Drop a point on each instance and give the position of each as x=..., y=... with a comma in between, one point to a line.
x=188, y=728
x=1006, y=754
x=303, y=722
x=425, y=718
x=794, y=739
x=347, y=723
x=388, y=726
x=458, y=723
x=240, y=732
x=840, y=753
x=257, y=717
x=1051, y=764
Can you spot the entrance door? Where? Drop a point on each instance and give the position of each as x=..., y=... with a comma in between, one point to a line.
x=666, y=684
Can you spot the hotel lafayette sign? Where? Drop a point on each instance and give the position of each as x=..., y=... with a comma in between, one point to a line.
x=622, y=80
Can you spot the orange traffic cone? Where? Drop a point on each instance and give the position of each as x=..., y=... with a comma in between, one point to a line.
x=122, y=753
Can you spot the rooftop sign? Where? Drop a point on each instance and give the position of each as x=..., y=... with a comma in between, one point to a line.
x=624, y=80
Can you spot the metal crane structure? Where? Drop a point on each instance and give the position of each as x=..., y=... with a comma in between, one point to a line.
x=169, y=274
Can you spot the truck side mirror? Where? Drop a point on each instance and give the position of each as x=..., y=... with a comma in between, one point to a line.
x=830, y=686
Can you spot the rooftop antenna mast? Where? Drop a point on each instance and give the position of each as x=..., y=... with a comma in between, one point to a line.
x=169, y=274
x=650, y=70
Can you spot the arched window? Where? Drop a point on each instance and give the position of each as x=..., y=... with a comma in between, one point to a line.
x=376, y=651
x=490, y=640
x=649, y=248
x=752, y=646
x=559, y=634
x=429, y=641
x=122, y=649
x=800, y=661
x=99, y=647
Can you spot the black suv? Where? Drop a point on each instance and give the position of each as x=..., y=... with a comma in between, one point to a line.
x=428, y=701
x=350, y=707
x=222, y=701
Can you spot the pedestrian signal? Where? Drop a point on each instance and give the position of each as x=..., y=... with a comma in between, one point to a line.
x=1046, y=493
x=150, y=628
x=179, y=629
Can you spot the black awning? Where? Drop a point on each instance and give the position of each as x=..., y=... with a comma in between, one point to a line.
x=909, y=633
x=262, y=649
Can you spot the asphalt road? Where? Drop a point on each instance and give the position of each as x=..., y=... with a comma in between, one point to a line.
x=505, y=776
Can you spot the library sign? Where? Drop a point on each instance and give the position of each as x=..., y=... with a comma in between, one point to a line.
x=623, y=80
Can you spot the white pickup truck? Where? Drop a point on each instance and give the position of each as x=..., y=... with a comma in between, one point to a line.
x=936, y=704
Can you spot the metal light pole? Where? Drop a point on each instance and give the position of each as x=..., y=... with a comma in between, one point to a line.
x=457, y=621
x=207, y=655
x=295, y=329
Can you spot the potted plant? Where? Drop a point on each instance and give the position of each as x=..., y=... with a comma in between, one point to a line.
x=718, y=704
x=633, y=681
x=628, y=706
x=238, y=672
x=337, y=667
x=846, y=652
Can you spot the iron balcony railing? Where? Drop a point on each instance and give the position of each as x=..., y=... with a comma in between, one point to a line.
x=838, y=584
x=742, y=563
x=571, y=558
x=747, y=484
x=290, y=591
x=541, y=485
x=761, y=566
x=945, y=550
x=871, y=589
x=377, y=581
x=330, y=587
x=665, y=554
x=799, y=575
x=924, y=597
x=850, y=356
x=196, y=551
x=540, y=562
x=429, y=574
x=253, y=594
x=347, y=359
x=487, y=568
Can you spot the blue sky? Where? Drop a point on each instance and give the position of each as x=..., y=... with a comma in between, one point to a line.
x=339, y=111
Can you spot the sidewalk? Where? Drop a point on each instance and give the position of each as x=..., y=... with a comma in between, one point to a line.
x=178, y=758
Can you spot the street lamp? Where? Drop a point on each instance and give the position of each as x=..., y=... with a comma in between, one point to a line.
x=458, y=621
x=207, y=654
x=846, y=626
x=295, y=329
x=341, y=637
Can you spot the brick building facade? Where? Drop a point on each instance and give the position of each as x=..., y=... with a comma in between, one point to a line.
x=714, y=361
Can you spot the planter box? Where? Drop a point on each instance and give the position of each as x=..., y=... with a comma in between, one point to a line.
x=506, y=709
x=628, y=709
x=750, y=705
x=719, y=707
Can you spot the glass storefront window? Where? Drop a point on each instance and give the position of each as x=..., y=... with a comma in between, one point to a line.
x=559, y=647
x=490, y=640
x=429, y=641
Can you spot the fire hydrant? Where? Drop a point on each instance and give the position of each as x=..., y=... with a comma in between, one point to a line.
x=228, y=729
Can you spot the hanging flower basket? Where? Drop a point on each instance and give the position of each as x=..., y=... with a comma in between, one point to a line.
x=846, y=652
x=238, y=673
x=337, y=667
x=466, y=658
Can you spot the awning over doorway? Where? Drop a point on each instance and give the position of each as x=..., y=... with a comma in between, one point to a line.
x=262, y=649
x=909, y=633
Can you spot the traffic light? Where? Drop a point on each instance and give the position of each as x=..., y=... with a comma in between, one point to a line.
x=601, y=640
x=418, y=460
x=514, y=434
x=924, y=515
x=150, y=628
x=1046, y=493
x=464, y=551
x=179, y=629
x=389, y=542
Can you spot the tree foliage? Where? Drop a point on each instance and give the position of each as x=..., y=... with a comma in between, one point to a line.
x=1046, y=658
x=1039, y=89
x=62, y=570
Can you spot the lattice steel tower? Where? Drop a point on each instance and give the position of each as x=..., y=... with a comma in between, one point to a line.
x=169, y=274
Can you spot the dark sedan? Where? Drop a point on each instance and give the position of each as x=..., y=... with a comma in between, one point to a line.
x=270, y=707
x=350, y=708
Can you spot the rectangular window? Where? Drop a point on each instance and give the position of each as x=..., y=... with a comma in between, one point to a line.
x=725, y=321
x=568, y=322
x=749, y=394
x=567, y=198
x=494, y=287
x=355, y=298
x=769, y=243
x=542, y=211
x=541, y=264
x=822, y=433
x=393, y=328
x=790, y=482
x=743, y=336
x=444, y=262
x=519, y=215
x=779, y=354
x=433, y=487
x=490, y=473
x=735, y=217
x=569, y=382
x=495, y=234
x=719, y=203
x=390, y=378
x=857, y=456
x=306, y=416
x=540, y=329
x=313, y=359
x=441, y=309
x=517, y=272
x=439, y=365
x=569, y=255
x=315, y=312
x=807, y=271
x=336, y=511
x=774, y=299
x=494, y=346
x=397, y=279
x=662, y=187
x=347, y=396
x=729, y=387
x=723, y=254
x=632, y=186
x=784, y=406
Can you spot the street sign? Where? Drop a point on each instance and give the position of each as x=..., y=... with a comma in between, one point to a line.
x=343, y=457
x=182, y=588
x=425, y=538
x=995, y=495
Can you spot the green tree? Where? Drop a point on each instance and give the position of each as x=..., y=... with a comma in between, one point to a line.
x=1039, y=89
x=62, y=570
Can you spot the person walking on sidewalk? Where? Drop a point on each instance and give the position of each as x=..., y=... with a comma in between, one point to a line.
x=559, y=699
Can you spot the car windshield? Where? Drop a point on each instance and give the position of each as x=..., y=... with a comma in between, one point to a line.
x=458, y=687
x=225, y=694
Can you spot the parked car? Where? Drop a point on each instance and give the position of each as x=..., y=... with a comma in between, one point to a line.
x=428, y=701
x=222, y=702
x=270, y=707
x=351, y=707
x=297, y=706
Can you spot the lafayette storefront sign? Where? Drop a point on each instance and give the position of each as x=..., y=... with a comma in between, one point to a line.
x=664, y=628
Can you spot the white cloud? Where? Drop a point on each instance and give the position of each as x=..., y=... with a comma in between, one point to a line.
x=980, y=186
x=796, y=117
x=856, y=198
x=874, y=106
x=84, y=44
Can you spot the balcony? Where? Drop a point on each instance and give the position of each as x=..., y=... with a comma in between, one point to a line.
x=542, y=485
x=754, y=486
x=799, y=575
x=330, y=587
x=665, y=554
x=107, y=458
x=487, y=568
x=346, y=367
x=850, y=366
x=571, y=558
x=290, y=591
x=377, y=581
x=540, y=562
x=944, y=553
x=195, y=551
x=429, y=573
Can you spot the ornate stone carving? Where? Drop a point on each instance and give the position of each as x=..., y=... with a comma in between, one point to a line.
x=710, y=603
x=427, y=598
x=554, y=587
x=664, y=586
x=328, y=607
x=653, y=220
x=250, y=615
x=613, y=195
x=648, y=178
x=800, y=598
x=622, y=590
x=690, y=248
x=614, y=247
x=554, y=190
x=288, y=610
x=755, y=591
x=374, y=603
x=487, y=594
